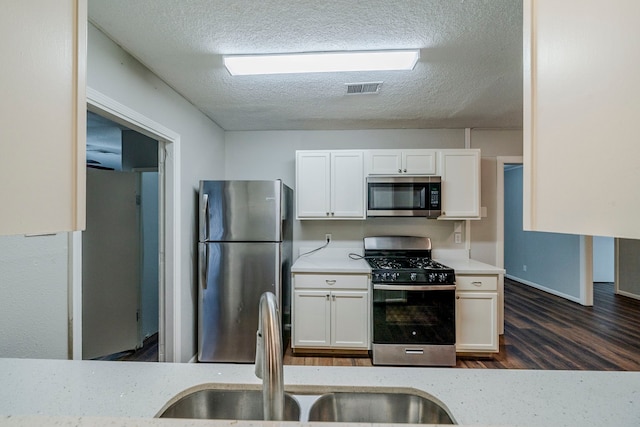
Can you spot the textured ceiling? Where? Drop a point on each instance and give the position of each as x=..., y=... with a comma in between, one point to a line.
x=469, y=73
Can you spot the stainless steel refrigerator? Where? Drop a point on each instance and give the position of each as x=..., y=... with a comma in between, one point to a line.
x=244, y=250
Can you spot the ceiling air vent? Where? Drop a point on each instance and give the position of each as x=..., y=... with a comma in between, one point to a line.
x=363, y=88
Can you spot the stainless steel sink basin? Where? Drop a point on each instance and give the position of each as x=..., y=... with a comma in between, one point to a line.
x=220, y=404
x=364, y=407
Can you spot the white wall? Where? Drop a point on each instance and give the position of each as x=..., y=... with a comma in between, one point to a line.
x=603, y=259
x=271, y=155
x=116, y=74
x=33, y=296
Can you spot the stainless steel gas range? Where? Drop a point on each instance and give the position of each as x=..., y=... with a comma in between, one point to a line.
x=413, y=303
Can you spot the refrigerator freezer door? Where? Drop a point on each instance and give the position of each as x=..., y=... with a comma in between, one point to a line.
x=233, y=276
x=241, y=211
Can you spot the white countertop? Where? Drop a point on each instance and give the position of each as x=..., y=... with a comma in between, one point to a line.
x=338, y=261
x=58, y=392
x=469, y=266
x=331, y=260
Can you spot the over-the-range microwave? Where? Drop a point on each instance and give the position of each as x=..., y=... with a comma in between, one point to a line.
x=404, y=196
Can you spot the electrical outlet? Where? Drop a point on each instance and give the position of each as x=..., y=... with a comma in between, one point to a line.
x=327, y=237
x=524, y=267
x=457, y=237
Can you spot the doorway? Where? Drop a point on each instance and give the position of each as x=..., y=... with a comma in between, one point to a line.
x=120, y=313
x=564, y=264
x=169, y=334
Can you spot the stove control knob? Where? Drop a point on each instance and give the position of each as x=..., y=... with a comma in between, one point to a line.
x=414, y=276
x=442, y=277
x=433, y=277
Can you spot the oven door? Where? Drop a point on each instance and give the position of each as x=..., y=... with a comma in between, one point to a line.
x=414, y=315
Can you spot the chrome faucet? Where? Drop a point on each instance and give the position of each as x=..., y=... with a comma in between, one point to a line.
x=269, y=357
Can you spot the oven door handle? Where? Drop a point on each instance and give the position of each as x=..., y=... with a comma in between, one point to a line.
x=381, y=287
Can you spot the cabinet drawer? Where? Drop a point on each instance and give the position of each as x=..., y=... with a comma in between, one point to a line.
x=476, y=283
x=332, y=281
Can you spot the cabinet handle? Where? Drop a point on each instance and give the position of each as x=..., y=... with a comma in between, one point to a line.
x=334, y=297
x=327, y=213
x=333, y=213
x=330, y=282
x=405, y=171
x=476, y=283
x=327, y=296
x=458, y=297
x=399, y=170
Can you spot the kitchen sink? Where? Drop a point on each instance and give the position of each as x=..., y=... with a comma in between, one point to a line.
x=312, y=404
x=359, y=407
x=222, y=404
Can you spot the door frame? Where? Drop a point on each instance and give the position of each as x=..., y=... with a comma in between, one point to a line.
x=169, y=269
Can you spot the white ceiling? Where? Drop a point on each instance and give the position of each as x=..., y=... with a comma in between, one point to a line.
x=469, y=73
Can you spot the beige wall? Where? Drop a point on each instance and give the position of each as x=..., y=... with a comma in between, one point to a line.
x=627, y=251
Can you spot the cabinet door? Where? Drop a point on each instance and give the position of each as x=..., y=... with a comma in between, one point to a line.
x=347, y=184
x=477, y=321
x=384, y=162
x=350, y=319
x=313, y=174
x=311, y=319
x=419, y=162
x=579, y=110
x=42, y=166
x=460, y=170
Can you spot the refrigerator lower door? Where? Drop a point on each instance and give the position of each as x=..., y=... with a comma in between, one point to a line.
x=232, y=278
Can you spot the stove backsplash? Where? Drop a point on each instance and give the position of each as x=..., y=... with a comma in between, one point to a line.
x=349, y=233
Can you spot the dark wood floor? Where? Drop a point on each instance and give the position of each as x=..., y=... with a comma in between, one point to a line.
x=543, y=331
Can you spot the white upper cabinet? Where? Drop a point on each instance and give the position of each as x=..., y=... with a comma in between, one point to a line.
x=401, y=162
x=43, y=116
x=460, y=171
x=330, y=185
x=581, y=102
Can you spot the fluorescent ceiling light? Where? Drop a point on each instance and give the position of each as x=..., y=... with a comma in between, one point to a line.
x=321, y=62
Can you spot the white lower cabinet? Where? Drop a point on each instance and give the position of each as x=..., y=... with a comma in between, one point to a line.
x=331, y=311
x=477, y=314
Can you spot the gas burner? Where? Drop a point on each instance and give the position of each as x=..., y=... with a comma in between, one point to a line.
x=393, y=262
x=425, y=263
x=385, y=263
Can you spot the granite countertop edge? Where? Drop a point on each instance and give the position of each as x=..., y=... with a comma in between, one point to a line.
x=59, y=389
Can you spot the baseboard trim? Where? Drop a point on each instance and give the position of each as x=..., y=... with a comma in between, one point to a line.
x=545, y=289
x=628, y=294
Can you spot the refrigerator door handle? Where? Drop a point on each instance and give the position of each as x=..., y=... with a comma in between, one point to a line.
x=204, y=217
x=204, y=265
